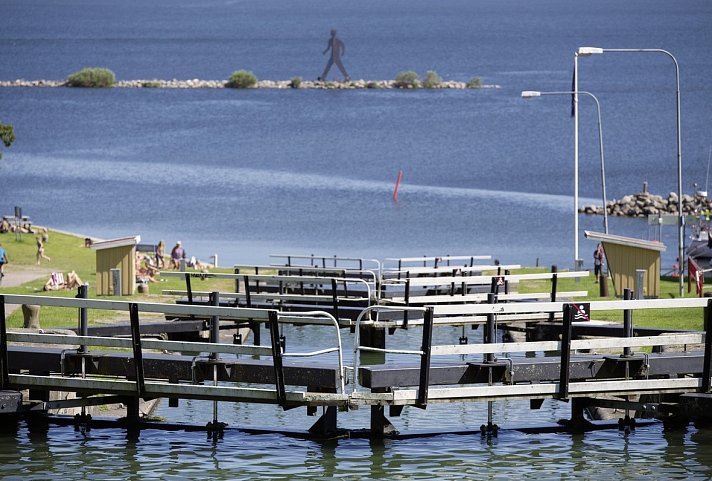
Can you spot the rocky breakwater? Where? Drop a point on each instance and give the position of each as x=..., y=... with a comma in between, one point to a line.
x=644, y=204
x=262, y=84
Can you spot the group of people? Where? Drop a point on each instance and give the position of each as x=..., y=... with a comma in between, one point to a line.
x=7, y=226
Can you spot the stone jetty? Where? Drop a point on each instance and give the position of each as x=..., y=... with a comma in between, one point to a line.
x=261, y=84
x=644, y=203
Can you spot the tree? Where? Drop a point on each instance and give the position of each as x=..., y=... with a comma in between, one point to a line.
x=7, y=135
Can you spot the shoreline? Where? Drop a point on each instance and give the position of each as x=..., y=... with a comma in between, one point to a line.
x=261, y=84
x=644, y=204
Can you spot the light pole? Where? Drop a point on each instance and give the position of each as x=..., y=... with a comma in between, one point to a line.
x=587, y=51
x=529, y=94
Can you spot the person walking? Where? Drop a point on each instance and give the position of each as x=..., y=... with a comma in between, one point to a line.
x=3, y=261
x=40, y=251
x=337, y=50
x=598, y=256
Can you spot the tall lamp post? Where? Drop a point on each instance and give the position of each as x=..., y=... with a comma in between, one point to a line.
x=587, y=51
x=529, y=94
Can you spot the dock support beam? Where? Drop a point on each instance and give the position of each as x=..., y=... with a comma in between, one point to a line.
x=707, y=360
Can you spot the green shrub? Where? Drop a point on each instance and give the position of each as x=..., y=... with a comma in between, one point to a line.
x=7, y=135
x=474, y=83
x=242, y=79
x=92, y=77
x=296, y=82
x=407, y=80
x=432, y=80
x=151, y=84
x=373, y=85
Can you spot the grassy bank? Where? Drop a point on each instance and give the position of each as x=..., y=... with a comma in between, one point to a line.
x=659, y=318
x=67, y=253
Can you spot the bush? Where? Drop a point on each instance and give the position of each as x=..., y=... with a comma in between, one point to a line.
x=432, y=80
x=242, y=79
x=296, y=82
x=92, y=77
x=151, y=84
x=474, y=83
x=7, y=135
x=407, y=80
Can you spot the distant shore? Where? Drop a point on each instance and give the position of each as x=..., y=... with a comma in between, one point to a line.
x=644, y=204
x=261, y=84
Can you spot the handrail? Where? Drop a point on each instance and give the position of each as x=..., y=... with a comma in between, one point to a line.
x=357, y=334
x=483, y=280
x=281, y=278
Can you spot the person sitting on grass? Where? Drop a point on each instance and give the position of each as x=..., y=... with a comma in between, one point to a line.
x=58, y=282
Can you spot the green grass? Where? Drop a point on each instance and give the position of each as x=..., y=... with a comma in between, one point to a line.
x=68, y=253
x=658, y=318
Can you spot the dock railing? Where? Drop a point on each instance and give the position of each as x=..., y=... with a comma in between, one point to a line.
x=414, y=387
x=142, y=387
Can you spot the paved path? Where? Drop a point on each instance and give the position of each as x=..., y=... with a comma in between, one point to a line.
x=17, y=275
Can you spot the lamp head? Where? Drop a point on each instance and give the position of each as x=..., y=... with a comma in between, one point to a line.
x=529, y=94
x=587, y=51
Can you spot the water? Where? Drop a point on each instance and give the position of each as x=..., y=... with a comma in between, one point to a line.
x=650, y=453
x=249, y=173
x=246, y=174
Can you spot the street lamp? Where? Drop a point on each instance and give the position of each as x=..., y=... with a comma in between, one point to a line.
x=587, y=51
x=529, y=94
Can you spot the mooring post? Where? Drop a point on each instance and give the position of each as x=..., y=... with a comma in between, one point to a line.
x=708, y=348
x=4, y=368
x=569, y=312
x=627, y=321
x=554, y=282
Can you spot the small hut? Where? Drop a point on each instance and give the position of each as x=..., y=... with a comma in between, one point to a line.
x=113, y=255
x=626, y=255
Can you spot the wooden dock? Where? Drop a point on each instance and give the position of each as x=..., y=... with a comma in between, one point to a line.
x=102, y=369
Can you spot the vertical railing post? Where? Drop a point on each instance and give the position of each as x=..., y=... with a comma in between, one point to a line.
x=554, y=282
x=214, y=323
x=627, y=321
x=335, y=299
x=83, y=293
x=491, y=328
x=708, y=348
x=237, y=280
x=137, y=351
x=425, y=358
x=569, y=312
x=188, y=287
x=277, y=358
x=4, y=368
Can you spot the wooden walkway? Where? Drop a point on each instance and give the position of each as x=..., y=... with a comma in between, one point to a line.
x=103, y=369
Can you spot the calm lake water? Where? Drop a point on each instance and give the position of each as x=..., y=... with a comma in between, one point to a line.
x=246, y=174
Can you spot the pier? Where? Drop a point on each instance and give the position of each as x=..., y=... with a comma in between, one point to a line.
x=602, y=371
